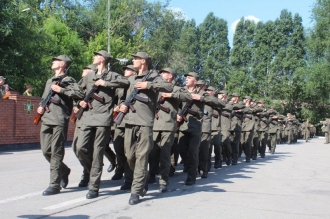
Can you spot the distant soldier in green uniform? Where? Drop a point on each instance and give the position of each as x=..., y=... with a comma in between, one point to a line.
x=306, y=130
x=247, y=128
x=263, y=128
x=55, y=121
x=255, y=139
x=289, y=128
x=85, y=176
x=215, y=134
x=225, y=127
x=191, y=127
x=204, y=149
x=164, y=129
x=272, y=129
x=119, y=135
x=96, y=119
x=139, y=123
x=28, y=91
x=326, y=125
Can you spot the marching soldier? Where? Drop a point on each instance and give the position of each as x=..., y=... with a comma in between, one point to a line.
x=306, y=130
x=2, y=87
x=139, y=123
x=164, y=129
x=326, y=125
x=272, y=129
x=85, y=176
x=96, y=119
x=263, y=129
x=215, y=134
x=289, y=126
x=255, y=139
x=225, y=127
x=118, y=141
x=55, y=121
x=191, y=127
x=247, y=128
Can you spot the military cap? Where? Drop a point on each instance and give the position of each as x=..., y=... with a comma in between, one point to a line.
x=211, y=88
x=130, y=67
x=92, y=67
x=66, y=59
x=143, y=55
x=247, y=97
x=28, y=86
x=193, y=74
x=223, y=92
x=253, y=100
x=3, y=78
x=261, y=101
x=235, y=95
x=200, y=82
x=170, y=70
x=271, y=107
x=104, y=54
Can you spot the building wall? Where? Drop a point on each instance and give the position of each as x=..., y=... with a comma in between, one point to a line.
x=16, y=126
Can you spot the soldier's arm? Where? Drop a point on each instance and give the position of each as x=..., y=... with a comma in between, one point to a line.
x=116, y=80
x=182, y=94
x=71, y=89
x=209, y=100
x=160, y=85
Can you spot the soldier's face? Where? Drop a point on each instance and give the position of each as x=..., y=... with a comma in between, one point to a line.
x=138, y=62
x=2, y=81
x=166, y=75
x=98, y=59
x=210, y=92
x=190, y=81
x=57, y=64
x=129, y=72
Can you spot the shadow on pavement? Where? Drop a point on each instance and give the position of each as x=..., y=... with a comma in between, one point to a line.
x=49, y=216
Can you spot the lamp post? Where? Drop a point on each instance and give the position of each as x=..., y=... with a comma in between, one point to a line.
x=108, y=10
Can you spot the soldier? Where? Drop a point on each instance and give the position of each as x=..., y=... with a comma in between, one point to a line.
x=139, y=123
x=96, y=119
x=235, y=126
x=225, y=127
x=215, y=128
x=204, y=149
x=191, y=127
x=247, y=128
x=289, y=128
x=54, y=125
x=85, y=176
x=28, y=91
x=272, y=129
x=118, y=140
x=2, y=88
x=263, y=129
x=255, y=139
x=306, y=130
x=164, y=129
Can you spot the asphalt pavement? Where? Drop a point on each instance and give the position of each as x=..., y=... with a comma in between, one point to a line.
x=292, y=183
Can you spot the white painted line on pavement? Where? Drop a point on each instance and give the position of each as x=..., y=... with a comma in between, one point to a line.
x=63, y=204
x=15, y=198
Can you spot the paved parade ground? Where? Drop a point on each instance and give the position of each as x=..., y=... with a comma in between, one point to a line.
x=292, y=183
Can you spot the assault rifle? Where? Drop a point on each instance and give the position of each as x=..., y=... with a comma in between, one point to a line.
x=49, y=98
x=132, y=97
x=90, y=96
x=187, y=108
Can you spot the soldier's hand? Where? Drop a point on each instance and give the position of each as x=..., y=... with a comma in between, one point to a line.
x=75, y=109
x=99, y=82
x=56, y=88
x=179, y=118
x=141, y=85
x=123, y=108
x=40, y=110
x=167, y=95
x=83, y=104
x=116, y=109
x=196, y=96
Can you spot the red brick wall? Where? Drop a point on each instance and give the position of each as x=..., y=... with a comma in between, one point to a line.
x=16, y=125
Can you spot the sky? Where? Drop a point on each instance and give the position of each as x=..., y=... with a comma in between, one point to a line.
x=233, y=10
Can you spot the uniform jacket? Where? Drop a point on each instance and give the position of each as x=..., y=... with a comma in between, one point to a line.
x=216, y=116
x=60, y=114
x=167, y=121
x=145, y=111
x=194, y=123
x=263, y=126
x=248, y=119
x=101, y=113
